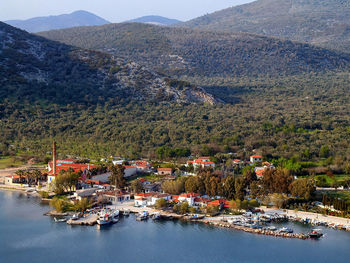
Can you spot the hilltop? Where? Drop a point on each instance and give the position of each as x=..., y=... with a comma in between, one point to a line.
x=181, y=51
x=78, y=18
x=155, y=20
x=32, y=67
x=324, y=23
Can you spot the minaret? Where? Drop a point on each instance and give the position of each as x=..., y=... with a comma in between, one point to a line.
x=54, y=158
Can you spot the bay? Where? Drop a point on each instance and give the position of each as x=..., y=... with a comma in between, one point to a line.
x=28, y=236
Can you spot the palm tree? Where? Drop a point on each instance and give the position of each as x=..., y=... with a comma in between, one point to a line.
x=36, y=175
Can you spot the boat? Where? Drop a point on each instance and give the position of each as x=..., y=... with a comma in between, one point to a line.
x=156, y=216
x=115, y=216
x=315, y=234
x=76, y=216
x=106, y=217
x=272, y=228
x=196, y=216
x=126, y=212
x=60, y=220
x=142, y=216
x=285, y=230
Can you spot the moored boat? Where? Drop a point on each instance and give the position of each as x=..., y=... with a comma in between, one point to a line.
x=142, y=216
x=315, y=234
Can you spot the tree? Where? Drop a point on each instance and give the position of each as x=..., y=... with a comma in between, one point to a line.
x=59, y=204
x=36, y=175
x=276, y=181
x=324, y=151
x=303, y=188
x=161, y=203
x=136, y=186
x=239, y=188
x=184, y=208
x=253, y=203
x=117, y=176
x=83, y=205
x=229, y=187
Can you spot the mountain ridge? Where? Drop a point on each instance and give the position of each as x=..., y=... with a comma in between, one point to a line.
x=183, y=51
x=37, y=68
x=323, y=23
x=44, y=23
x=156, y=20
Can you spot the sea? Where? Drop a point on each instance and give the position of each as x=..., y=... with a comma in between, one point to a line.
x=26, y=235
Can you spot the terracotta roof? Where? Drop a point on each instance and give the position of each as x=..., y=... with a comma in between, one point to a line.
x=165, y=169
x=204, y=158
x=256, y=156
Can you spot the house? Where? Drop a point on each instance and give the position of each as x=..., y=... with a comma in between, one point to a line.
x=150, y=188
x=189, y=198
x=66, y=165
x=201, y=162
x=201, y=202
x=165, y=171
x=150, y=199
x=221, y=203
x=129, y=171
x=143, y=199
x=14, y=179
x=158, y=196
x=238, y=162
x=116, y=197
x=84, y=193
x=143, y=166
x=259, y=171
x=104, y=178
x=256, y=159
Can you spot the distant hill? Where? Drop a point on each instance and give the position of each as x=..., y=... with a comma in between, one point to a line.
x=78, y=18
x=155, y=20
x=181, y=51
x=34, y=68
x=324, y=23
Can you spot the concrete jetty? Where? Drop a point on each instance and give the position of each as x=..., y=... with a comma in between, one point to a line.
x=88, y=220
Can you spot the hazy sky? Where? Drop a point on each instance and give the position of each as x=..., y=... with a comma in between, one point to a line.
x=114, y=10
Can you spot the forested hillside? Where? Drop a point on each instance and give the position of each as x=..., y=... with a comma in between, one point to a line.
x=180, y=52
x=34, y=68
x=324, y=23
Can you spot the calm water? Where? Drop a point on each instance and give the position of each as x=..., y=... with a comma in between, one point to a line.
x=28, y=236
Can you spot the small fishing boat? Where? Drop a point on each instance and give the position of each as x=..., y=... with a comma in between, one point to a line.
x=285, y=230
x=272, y=228
x=58, y=220
x=76, y=216
x=142, y=216
x=109, y=216
x=156, y=216
x=126, y=212
x=196, y=217
x=315, y=234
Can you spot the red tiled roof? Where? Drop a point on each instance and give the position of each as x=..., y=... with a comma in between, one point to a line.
x=204, y=158
x=165, y=169
x=260, y=172
x=256, y=156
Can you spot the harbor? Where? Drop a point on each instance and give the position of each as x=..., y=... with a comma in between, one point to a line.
x=259, y=224
x=28, y=231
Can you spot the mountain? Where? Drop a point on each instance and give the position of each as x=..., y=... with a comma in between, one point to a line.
x=155, y=20
x=324, y=23
x=97, y=105
x=78, y=18
x=181, y=51
x=35, y=68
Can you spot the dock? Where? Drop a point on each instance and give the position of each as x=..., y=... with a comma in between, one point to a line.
x=89, y=220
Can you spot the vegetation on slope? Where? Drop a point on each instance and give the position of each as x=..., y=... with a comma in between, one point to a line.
x=325, y=23
x=178, y=51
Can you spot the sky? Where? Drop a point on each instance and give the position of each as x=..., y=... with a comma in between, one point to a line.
x=114, y=10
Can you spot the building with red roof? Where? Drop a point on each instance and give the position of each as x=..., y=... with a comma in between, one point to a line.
x=165, y=171
x=256, y=159
x=203, y=162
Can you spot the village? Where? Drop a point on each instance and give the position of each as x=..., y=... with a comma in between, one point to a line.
x=84, y=193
